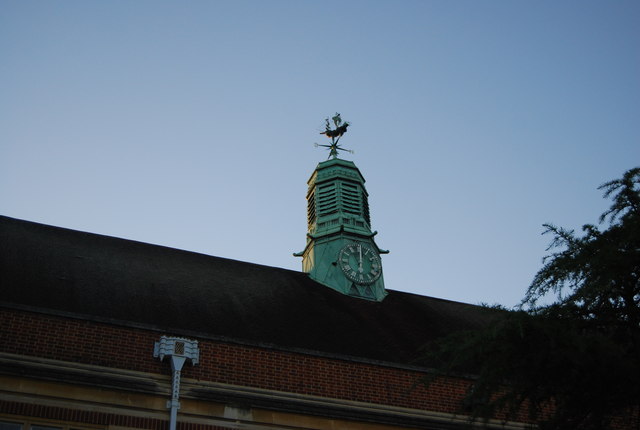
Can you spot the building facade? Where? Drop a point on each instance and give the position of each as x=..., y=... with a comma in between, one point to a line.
x=105, y=333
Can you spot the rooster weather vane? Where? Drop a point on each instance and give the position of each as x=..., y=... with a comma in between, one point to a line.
x=335, y=135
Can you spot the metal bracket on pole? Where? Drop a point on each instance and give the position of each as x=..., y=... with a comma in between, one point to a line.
x=180, y=350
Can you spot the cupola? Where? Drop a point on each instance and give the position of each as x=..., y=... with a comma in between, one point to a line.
x=340, y=251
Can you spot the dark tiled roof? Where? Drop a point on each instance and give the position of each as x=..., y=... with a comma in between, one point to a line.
x=99, y=277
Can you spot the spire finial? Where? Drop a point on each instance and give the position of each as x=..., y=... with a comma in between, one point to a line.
x=335, y=135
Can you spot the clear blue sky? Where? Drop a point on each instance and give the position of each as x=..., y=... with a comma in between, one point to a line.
x=192, y=124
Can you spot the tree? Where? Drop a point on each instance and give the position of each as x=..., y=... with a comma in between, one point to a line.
x=574, y=363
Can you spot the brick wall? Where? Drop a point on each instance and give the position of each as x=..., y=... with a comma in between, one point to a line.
x=88, y=342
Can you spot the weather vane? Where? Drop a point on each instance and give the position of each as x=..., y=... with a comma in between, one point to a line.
x=335, y=135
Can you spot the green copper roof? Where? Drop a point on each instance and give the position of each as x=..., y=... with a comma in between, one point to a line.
x=340, y=250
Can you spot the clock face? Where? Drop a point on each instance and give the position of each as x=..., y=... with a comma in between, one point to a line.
x=360, y=263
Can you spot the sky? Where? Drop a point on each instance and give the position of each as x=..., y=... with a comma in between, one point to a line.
x=192, y=125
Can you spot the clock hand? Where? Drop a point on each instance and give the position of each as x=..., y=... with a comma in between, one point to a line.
x=360, y=269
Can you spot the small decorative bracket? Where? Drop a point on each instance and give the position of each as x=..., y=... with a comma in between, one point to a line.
x=177, y=346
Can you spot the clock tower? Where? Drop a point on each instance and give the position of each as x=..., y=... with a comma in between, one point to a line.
x=341, y=252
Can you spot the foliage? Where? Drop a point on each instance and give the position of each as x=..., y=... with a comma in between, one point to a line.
x=579, y=354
